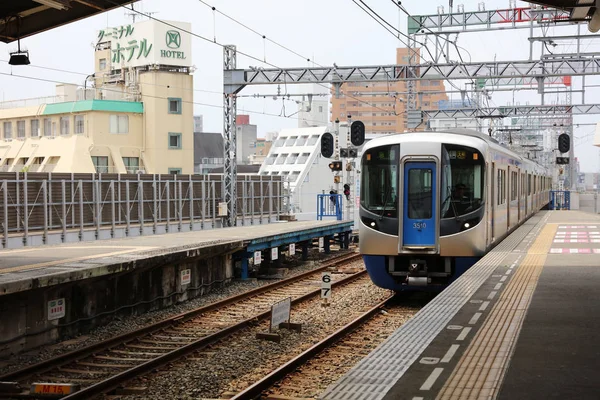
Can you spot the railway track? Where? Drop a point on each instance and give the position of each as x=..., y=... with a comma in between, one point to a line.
x=307, y=375
x=107, y=365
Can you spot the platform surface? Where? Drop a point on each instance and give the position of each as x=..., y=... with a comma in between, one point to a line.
x=522, y=323
x=31, y=267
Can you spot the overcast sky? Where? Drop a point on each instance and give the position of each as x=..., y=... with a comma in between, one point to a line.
x=330, y=31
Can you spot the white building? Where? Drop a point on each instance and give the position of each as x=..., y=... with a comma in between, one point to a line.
x=313, y=110
x=296, y=154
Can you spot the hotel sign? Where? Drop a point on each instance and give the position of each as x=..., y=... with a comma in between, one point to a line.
x=148, y=43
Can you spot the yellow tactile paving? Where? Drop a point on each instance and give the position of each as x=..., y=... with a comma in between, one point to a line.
x=482, y=366
x=74, y=259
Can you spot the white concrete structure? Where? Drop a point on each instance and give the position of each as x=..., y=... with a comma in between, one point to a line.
x=313, y=110
x=296, y=154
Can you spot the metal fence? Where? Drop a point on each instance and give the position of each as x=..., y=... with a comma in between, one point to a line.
x=43, y=208
x=329, y=205
x=560, y=200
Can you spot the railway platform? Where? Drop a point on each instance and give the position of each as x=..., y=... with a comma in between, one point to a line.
x=519, y=324
x=47, y=292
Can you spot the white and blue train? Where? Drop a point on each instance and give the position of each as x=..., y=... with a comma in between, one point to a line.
x=433, y=203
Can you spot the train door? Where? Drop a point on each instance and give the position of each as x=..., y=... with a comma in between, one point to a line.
x=419, y=226
x=488, y=197
x=518, y=189
x=509, y=197
x=493, y=183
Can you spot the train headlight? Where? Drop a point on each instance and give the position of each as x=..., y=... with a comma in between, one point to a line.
x=467, y=225
x=373, y=224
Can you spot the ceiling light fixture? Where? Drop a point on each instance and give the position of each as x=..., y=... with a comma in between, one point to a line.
x=19, y=57
x=53, y=3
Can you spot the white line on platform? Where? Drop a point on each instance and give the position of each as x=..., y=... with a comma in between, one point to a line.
x=432, y=378
x=463, y=334
x=484, y=306
x=417, y=398
x=508, y=271
x=492, y=295
x=503, y=278
x=498, y=286
x=475, y=318
x=450, y=353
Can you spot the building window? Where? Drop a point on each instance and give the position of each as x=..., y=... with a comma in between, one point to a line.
x=7, y=130
x=132, y=164
x=101, y=164
x=64, y=126
x=320, y=109
x=47, y=127
x=174, y=140
x=20, y=129
x=175, y=171
x=102, y=64
x=119, y=124
x=174, y=105
x=79, y=124
x=35, y=127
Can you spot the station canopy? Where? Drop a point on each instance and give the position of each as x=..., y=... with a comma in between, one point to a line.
x=22, y=18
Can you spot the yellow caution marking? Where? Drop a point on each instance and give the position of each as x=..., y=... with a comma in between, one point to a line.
x=481, y=369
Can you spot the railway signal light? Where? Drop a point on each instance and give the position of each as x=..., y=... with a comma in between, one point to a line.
x=562, y=160
x=347, y=191
x=335, y=165
x=348, y=153
x=564, y=143
x=357, y=133
x=327, y=145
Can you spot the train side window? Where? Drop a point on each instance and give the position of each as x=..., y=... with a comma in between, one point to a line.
x=528, y=184
x=513, y=186
x=501, y=187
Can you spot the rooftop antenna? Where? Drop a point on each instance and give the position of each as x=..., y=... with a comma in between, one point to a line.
x=137, y=14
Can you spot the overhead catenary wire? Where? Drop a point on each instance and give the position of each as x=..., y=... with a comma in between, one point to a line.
x=141, y=83
x=214, y=41
x=377, y=18
x=405, y=11
x=146, y=95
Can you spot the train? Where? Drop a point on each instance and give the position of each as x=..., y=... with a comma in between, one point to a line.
x=433, y=203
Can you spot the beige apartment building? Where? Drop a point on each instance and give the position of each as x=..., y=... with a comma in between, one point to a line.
x=138, y=116
x=381, y=106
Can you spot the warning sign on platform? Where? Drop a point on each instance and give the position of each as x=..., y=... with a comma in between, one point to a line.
x=274, y=253
x=186, y=276
x=56, y=309
x=292, y=249
x=321, y=244
x=257, y=257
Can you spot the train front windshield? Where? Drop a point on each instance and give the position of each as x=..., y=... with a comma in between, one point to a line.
x=462, y=190
x=379, y=183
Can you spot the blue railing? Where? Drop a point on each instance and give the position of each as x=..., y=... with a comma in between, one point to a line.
x=560, y=200
x=329, y=205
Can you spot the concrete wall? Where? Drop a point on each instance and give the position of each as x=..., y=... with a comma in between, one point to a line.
x=245, y=143
x=141, y=286
x=157, y=88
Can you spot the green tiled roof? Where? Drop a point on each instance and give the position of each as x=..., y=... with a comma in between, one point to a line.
x=94, y=105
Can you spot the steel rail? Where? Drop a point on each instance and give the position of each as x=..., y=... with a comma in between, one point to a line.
x=57, y=362
x=117, y=380
x=72, y=356
x=265, y=383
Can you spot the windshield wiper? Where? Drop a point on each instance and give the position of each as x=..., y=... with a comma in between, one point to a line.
x=385, y=201
x=451, y=204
